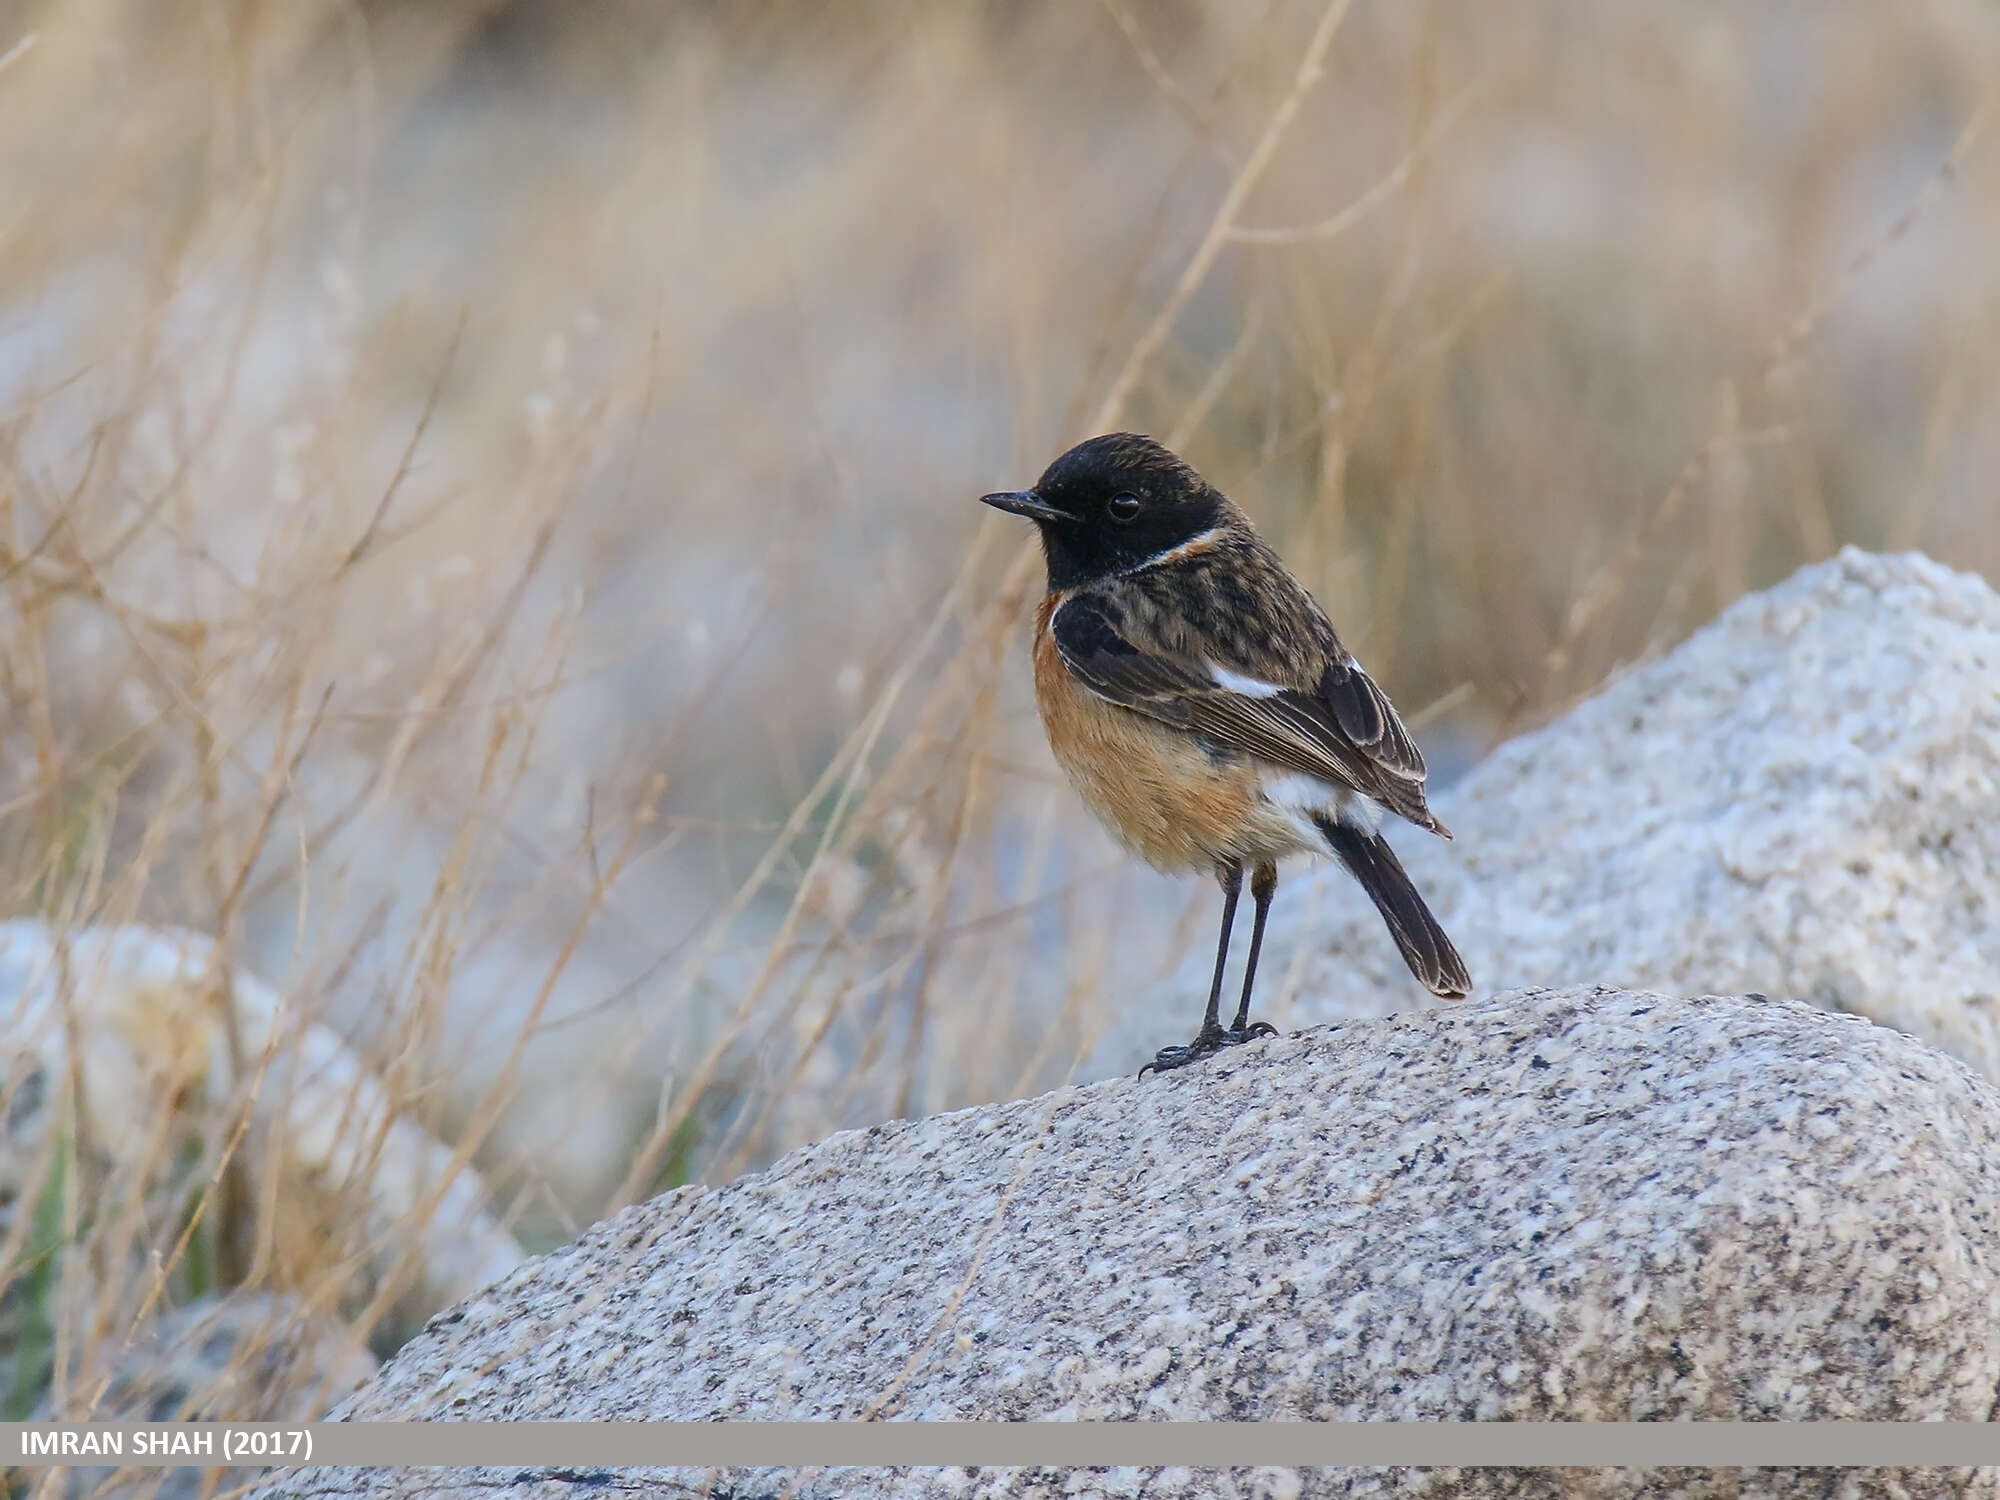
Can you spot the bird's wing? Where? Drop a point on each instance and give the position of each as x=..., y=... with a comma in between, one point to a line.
x=1342, y=729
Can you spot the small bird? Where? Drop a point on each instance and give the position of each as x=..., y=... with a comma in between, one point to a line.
x=1199, y=701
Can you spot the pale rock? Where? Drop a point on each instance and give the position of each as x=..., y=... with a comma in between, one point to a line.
x=1553, y=1205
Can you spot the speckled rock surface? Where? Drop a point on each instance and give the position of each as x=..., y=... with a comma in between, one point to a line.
x=1803, y=799
x=1584, y=1204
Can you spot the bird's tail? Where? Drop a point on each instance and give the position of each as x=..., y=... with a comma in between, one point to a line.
x=1426, y=949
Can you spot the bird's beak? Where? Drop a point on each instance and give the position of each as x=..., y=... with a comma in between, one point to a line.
x=1024, y=503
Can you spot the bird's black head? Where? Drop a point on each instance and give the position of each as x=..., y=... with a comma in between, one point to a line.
x=1112, y=504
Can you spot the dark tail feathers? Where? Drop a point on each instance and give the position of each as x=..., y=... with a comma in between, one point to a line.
x=1426, y=949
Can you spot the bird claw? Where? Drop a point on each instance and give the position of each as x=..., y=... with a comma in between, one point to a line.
x=1212, y=1040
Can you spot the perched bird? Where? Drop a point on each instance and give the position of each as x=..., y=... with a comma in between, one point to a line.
x=1200, y=702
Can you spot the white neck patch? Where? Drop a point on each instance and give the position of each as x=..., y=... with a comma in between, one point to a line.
x=1199, y=543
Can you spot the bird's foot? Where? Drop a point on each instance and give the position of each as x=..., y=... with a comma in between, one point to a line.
x=1212, y=1039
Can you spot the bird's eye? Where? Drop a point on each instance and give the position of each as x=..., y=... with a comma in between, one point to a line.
x=1123, y=507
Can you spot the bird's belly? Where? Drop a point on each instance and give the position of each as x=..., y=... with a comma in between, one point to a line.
x=1159, y=792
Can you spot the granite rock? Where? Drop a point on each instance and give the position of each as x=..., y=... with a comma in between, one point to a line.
x=1584, y=1204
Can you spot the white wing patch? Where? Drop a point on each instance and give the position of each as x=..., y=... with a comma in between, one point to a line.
x=1246, y=687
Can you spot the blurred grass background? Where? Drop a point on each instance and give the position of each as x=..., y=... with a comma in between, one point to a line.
x=486, y=521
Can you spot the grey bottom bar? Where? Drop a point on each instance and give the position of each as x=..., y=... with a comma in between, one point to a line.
x=1002, y=1445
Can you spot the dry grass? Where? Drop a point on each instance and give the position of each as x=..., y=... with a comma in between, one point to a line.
x=485, y=521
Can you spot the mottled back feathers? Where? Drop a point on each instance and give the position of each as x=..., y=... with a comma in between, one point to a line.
x=1287, y=691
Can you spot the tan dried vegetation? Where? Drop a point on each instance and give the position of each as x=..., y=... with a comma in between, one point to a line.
x=486, y=526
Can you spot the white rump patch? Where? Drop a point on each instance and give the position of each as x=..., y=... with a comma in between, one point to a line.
x=1297, y=792
x=1236, y=682
x=1357, y=811
x=1299, y=797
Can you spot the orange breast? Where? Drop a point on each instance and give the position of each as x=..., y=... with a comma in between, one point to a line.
x=1158, y=791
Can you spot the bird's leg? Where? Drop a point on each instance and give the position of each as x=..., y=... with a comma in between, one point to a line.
x=1230, y=874
x=1263, y=886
